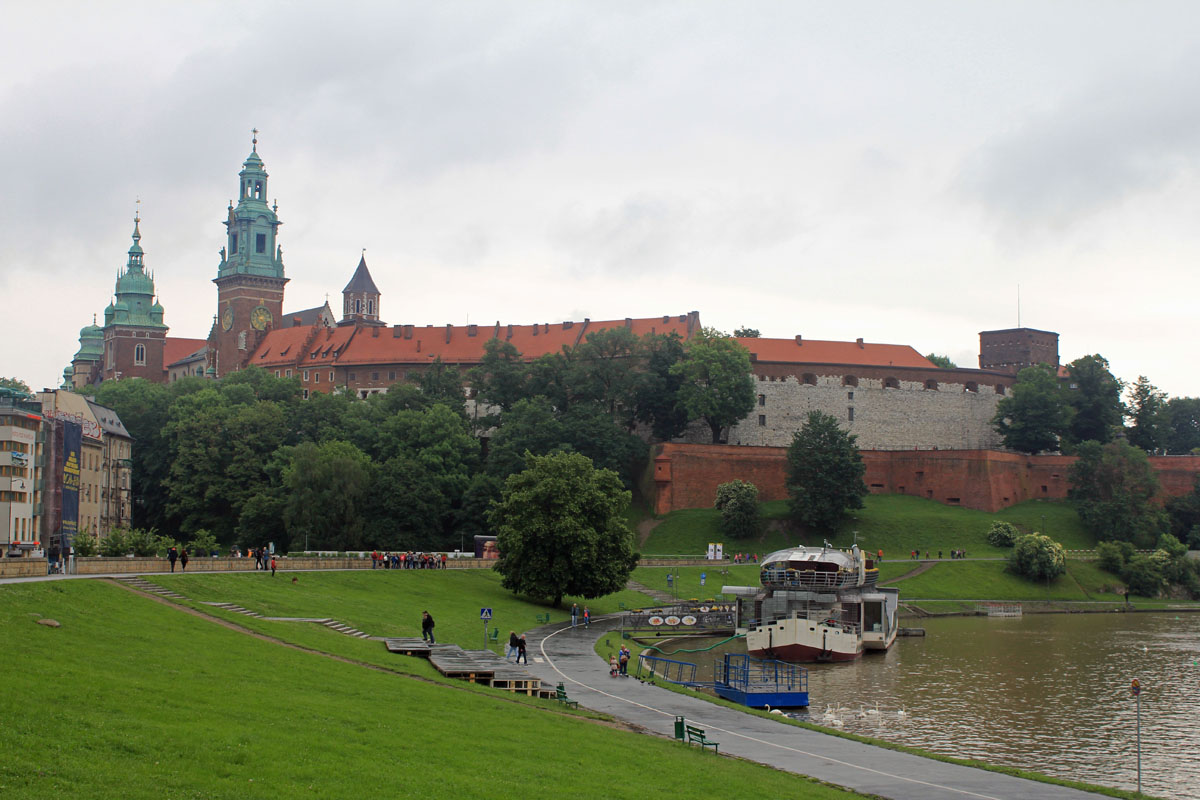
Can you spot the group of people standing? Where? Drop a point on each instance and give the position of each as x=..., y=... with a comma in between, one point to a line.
x=575, y=616
x=618, y=663
x=408, y=560
x=263, y=559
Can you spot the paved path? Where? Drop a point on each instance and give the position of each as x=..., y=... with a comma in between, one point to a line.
x=561, y=653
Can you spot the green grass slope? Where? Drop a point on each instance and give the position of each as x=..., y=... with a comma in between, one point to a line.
x=897, y=524
x=134, y=699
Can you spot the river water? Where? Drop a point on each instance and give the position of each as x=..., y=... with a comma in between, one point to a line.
x=1045, y=692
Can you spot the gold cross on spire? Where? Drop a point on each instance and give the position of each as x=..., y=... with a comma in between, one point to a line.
x=254, y=141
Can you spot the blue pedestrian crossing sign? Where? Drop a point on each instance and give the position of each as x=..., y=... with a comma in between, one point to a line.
x=485, y=614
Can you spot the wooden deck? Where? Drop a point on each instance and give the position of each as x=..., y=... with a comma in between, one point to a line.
x=474, y=666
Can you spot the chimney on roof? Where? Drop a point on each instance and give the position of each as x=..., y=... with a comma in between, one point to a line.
x=567, y=324
x=408, y=329
x=799, y=340
x=859, y=341
x=472, y=330
x=628, y=323
x=418, y=345
x=496, y=330
x=547, y=330
x=449, y=327
x=536, y=329
x=666, y=319
x=397, y=331
x=509, y=334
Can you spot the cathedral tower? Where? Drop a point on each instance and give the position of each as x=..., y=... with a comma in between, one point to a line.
x=250, y=277
x=360, y=298
x=133, y=323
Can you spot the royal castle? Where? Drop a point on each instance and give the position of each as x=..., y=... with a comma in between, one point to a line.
x=889, y=395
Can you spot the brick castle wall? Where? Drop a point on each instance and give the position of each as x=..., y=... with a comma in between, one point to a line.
x=687, y=475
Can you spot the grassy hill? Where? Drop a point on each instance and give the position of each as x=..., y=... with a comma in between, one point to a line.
x=897, y=524
x=131, y=698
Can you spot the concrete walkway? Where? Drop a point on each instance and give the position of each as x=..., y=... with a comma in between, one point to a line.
x=560, y=653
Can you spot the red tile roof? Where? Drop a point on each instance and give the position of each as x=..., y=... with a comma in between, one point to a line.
x=455, y=344
x=816, y=351
x=176, y=349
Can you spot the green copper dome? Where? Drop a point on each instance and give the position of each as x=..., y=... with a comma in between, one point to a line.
x=135, y=303
x=91, y=343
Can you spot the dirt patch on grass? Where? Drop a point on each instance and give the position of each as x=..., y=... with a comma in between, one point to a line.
x=645, y=528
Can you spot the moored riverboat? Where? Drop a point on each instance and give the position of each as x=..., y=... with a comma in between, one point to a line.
x=816, y=604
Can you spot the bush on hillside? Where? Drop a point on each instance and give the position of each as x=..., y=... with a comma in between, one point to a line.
x=1112, y=556
x=115, y=544
x=738, y=503
x=1143, y=574
x=1002, y=534
x=1037, y=557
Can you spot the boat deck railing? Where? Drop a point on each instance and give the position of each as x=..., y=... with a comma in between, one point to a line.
x=815, y=579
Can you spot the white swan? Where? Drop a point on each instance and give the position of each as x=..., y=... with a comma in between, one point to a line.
x=901, y=713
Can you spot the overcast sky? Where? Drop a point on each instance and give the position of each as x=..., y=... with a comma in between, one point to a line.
x=886, y=170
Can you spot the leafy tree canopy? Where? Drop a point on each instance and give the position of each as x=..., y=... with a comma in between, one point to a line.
x=16, y=384
x=561, y=530
x=1002, y=534
x=738, y=503
x=326, y=485
x=824, y=473
x=1113, y=490
x=747, y=333
x=1095, y=395
x=1183, y=425
x=716, y=384
x=657, y=389
x=501, y=375
x=1036, y=414
x=1147, y=411
x=943, y=362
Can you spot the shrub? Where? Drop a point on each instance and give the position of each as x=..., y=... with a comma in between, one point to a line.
x=203, y=543
x=142, y=542
x=85, y=546
x=1038, y=557
x=1111, y=557
x=1002, y=534
x=1143, y=575
x=738, y=503
x=115, y=544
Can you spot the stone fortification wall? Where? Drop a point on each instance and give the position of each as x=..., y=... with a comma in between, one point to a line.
x=687, y=475
x=887, y=409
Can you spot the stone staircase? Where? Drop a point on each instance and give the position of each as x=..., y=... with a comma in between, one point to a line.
x=143, y=585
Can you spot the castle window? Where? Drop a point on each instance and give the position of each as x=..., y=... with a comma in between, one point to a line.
x=850, y=413
x=931, y=384
x=331, y=376
x=971, y=386
x=808, y=379
x=358, y=306
x=999, y=388
x=849, y=380
x=316, y=377
x=374, y=376
x=370, y=306
x=260, y=243
x=849, y=395
x=762, y=377
x=306, y=375
x=276, y=373
x=352, y=376
x=762, y=420
x=306, y=394
x=392, y=375
x=233, y=244
x=139, y=355
x=287, y=374
x=891, y=383
x=762, y=399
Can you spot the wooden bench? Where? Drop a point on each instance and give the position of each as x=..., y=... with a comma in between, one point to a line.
x=544, y=619
x=560, y=694
x=696, y=736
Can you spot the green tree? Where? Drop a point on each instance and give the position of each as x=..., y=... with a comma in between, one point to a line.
x=1111, y=556
x=85, y=546
x=1095, y=394
x=500, y=377
x=1143, y=575
x=561, y=530
x=1035, y=415
x=1113, y=490
x=1184, y=511
x=440, y=383
x=1183, y=425
x=716, y=385
x=530, y=427
x=1002, y=534
x=824, y=473
x=326, y=485
x=115, y=544
x=656, y=394
x=1147, y=410
x=746, y=333
x=604, y=368
x=587, y=428
x=144, y=409
x=738, y=503
x=16, y=384
x=202, y=543
x=1037, y=557
x=941, y=362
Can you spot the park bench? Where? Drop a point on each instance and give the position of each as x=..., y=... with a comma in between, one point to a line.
x=696, y=735
x=494, y=636
x=560, y=694
x=544, y=619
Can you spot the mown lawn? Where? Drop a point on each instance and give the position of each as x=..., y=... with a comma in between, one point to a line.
x=896, y=524
x=988, y=580
x=134, y=699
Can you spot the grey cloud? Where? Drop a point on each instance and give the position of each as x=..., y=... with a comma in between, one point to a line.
x=1092, y=152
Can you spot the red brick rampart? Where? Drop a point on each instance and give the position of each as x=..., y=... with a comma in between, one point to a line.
x=687, y=475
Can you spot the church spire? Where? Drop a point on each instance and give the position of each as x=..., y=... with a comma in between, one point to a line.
x=360, y=298
x=252, y=227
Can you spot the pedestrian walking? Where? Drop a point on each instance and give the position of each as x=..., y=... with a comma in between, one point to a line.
x=426, y=627
x=183, y=559
x=587, y=617
x=272, y=566
x=172, y=555
x=521, y=654
x=612, y=665
x=574, y=614
x=513, y=644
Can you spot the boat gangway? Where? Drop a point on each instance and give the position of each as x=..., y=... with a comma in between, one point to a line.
x=758, y=683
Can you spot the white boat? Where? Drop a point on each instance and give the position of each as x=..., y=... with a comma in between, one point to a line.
x=816, y=604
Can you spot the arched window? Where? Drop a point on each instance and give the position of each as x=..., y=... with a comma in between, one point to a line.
x=370, y=306
x=808, y=379
x=139, y=355
x=849, y=380
x=891, y=383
